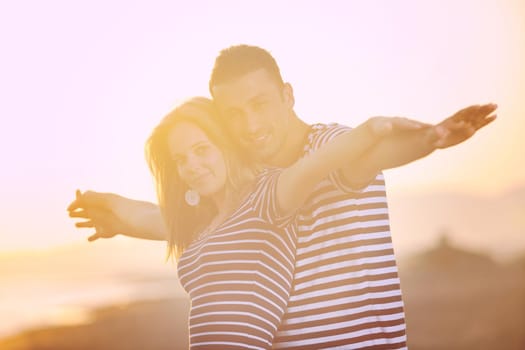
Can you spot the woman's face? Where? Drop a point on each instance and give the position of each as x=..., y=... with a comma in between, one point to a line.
x=200, y=163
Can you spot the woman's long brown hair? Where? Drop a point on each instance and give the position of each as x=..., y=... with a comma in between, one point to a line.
x=183, y=221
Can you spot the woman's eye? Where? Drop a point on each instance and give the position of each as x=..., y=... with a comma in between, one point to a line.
x=178, y=161
x=201, y=150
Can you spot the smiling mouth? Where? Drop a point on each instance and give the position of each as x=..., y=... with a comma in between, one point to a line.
x=259, y=140
x=199, y=179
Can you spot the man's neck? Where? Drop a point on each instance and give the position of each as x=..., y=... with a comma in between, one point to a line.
x=293, y=147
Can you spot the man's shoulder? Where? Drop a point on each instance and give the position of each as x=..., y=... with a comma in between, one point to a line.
x=328, y=125
x=322, y=132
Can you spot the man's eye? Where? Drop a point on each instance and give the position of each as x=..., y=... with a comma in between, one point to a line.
x=259, y=105
x=233, y=115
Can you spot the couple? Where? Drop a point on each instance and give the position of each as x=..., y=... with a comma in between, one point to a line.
x=280, y=228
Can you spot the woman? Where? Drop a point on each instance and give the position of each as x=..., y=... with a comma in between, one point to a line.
x=230, y=228
x=236, y=267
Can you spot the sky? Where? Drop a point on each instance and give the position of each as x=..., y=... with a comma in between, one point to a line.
x=83, y=83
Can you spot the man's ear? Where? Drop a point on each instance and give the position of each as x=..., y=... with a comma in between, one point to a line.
x=288, y=97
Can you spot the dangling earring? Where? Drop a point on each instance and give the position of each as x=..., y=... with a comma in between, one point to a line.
x=192, y=197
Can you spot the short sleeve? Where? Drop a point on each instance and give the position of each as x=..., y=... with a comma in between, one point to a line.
x=322, y=134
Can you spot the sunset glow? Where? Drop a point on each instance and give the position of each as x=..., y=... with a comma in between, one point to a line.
x=84, y=83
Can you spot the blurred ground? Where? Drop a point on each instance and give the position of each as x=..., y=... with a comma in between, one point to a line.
x=461, y=300
x=144, y=325
x=454, y=300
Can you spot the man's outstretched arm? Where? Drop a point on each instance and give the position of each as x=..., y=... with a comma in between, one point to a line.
x=110, y=214
x=401, y=147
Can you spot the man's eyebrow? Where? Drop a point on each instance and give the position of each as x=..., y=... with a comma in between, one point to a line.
x=256, y=98
x=260, y=96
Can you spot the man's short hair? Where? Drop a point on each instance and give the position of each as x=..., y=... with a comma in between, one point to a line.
x=236, y=61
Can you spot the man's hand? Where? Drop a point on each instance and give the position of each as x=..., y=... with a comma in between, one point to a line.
x=110, y=214
x=402, y=140
x=97, y=209
x=463, y=124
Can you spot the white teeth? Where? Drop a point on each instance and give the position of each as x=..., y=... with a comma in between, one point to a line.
x=199, y=178
x=260, y=138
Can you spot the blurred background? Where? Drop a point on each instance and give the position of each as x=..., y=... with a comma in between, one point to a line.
x=83, y=83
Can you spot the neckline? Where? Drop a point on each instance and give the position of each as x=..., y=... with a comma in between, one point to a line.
x=211, y=229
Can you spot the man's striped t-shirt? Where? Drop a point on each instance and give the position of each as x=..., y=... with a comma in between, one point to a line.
x=239, y=277
x=346, y=292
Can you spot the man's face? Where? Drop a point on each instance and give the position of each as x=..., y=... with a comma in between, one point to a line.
x=256, y=109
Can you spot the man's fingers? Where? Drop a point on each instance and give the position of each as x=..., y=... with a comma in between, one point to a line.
x=95, y=199
x=483, y=120
x=93, y=214
x=84, y=210
x=94, y=237
x=89, y=199
x=466, y=113
x=483, y=112
x=79, y=214
x=93, y=207
x=474, y=111
x=476, y=119
x=76, y=203
x=486, y=121
x=82, y=224
x=488, y=108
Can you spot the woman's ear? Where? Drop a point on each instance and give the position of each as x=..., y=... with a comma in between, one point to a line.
x=288, y=97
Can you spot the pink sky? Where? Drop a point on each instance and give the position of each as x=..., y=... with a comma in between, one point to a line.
x=84, y=82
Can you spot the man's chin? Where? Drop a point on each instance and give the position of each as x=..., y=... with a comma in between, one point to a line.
x=262, y=153
x=268, y=156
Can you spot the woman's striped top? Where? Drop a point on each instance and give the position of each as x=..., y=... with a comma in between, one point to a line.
x=239, y=277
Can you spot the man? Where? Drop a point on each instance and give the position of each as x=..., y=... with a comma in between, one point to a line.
x=346, y=290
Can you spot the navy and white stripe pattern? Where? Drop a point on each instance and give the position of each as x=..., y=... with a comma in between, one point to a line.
x=239, y=277
x=346, y=291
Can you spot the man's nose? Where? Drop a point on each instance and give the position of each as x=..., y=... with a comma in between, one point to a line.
x=252, y=123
